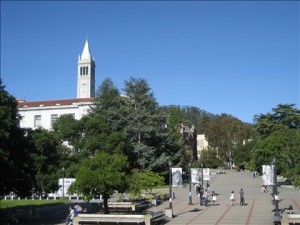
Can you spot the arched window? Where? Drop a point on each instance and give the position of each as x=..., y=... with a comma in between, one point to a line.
x=87, y=70
x=80, y=70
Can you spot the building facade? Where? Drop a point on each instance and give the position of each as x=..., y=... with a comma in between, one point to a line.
x=44, y=113
x=202, y=144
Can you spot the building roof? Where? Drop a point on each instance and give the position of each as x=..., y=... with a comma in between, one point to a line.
x=86, y=51
x=24, y=104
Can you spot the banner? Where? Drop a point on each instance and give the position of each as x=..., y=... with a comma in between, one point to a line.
x=195, y=175
x=268, y=174
x=176, y=177
x=206, y=174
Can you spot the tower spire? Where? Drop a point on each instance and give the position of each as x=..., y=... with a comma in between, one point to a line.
x=86, y=73
x=86, y=51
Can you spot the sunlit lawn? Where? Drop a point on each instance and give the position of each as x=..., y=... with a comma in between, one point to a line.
x=29, y=202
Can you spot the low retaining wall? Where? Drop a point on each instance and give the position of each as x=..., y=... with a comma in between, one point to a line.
x=148, y=219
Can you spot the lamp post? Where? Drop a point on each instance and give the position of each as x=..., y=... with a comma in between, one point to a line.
x=190, y=185
x=276, y=215
x=63, y=184
x=202, y=165
x=170, y=185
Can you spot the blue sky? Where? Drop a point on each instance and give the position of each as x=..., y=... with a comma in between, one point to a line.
x=234, y=57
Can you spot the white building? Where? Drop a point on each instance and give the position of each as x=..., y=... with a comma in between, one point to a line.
x=64, y=185
x=45, y=113
x=202, y=144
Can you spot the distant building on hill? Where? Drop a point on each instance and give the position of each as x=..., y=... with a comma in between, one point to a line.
x=202, y=144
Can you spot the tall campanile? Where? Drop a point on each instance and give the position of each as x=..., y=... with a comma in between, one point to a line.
x=86, y=74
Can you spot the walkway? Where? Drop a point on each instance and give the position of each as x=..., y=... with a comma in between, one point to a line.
x=258, y=211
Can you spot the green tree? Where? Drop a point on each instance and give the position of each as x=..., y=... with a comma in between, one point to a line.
x=137, y=115
x=175, y=121
x=144, y=180
x=282, y=144
x=109, y=104
x=102, y=174
x=99, y=136
x=225, y=133
x=70, y=131
x=210, y=158
x=282, y=116
x=242, y=155
x=278, y=136
x=146, y=127
x=15, y=164
x=47, y=160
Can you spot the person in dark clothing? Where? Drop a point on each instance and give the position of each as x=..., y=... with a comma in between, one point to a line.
x=201, y=192
x=242, y=198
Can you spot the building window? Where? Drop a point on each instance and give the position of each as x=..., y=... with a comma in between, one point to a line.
x=87, y=70
x=80, y=70
x=54, y=118
x=37, y=121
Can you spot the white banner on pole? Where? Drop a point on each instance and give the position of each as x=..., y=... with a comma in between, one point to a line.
x=268, y=174
x=176, y=177
x=206, y=174
x=195, y=175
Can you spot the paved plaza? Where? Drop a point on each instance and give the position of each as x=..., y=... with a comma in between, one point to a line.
x=258, y=211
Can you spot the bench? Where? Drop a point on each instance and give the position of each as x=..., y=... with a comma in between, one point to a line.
x=158, y=217
x=124, y=207
x=290, y=217
x=121, y=206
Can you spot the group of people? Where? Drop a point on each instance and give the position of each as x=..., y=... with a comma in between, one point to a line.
x=203, y=194
x=74, y=210
x=242, y=198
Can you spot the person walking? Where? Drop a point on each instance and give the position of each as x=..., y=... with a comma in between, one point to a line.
x=208, y=187
x=205, y=197
x=232, y=198
x=214, y=198
x=242, y=199
x=201, y=195
x=197, y=188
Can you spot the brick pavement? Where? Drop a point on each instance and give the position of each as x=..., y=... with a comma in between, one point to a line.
x=258, y=211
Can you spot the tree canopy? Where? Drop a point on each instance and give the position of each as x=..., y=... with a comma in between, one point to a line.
x=102, y=174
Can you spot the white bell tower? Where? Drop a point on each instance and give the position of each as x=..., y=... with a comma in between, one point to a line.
x=86, y=74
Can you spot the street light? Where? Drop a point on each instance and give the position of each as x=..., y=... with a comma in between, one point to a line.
x=276, y=215
x=63, y=184
x=170, y=184
x=190, y=186
x=202, y=165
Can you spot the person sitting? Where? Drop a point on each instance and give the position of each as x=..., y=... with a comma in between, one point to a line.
x=290, y=210
x=263, y=188
x=77, y=209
